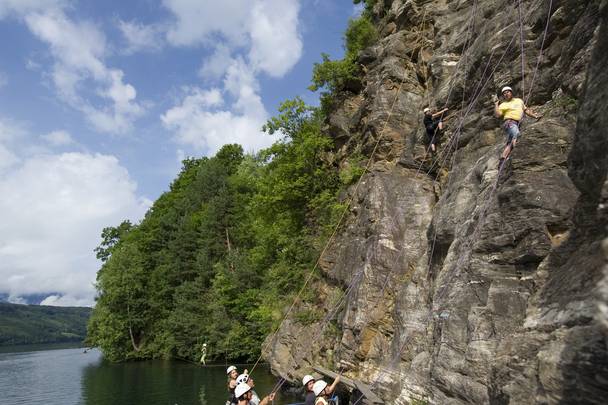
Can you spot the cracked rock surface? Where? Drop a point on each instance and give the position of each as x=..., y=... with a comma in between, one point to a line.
x=451, y=282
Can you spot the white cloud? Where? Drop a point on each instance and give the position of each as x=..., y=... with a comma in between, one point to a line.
x=215, y=66
x=79, y=73
x=200, y=22
x=16, y=300
x=78, y=49
x=51, y=214
x=205, y=121
x=10, y=133
x=268, y=28
x=248, y=38
x=141, y=37
x=7, y=158
x=276, y=43
x=20, y=7
x=52, y=211
x=58, y=138
x=66, y=301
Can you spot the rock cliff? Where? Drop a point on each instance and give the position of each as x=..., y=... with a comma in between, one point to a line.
x=452, y=282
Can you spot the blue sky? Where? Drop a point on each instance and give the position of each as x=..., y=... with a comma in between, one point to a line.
x=100, y=102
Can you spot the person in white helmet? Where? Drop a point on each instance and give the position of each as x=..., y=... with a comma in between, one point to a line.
x=321, y=394
x=204, y=354
x=310, y=383
x=232, y=375
x=512, y=111
x=244, y=395
x=433, y=126
x=247, y=379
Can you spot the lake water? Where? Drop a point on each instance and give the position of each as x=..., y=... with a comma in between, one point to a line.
x=69, y=376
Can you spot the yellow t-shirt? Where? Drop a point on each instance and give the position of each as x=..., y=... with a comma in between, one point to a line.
x=512, y=110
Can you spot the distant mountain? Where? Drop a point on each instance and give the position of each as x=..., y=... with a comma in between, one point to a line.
x=34, y=324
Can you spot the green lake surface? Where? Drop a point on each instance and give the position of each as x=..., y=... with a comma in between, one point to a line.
x=70, y=376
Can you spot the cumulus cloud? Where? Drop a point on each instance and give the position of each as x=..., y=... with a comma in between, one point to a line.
x=10, y=134
x=78, y=50
x=52, y=210
x=206, y=120
x=20, y=7
x=7, y=158
x=248, y=38
x=276, y=44
x=215, y=66
x=268, y=28
x=58, y=138
x=65, y=301
x=202, y=22
x=141, y=37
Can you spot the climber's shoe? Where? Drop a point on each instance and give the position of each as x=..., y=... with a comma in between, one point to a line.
x=500, y=163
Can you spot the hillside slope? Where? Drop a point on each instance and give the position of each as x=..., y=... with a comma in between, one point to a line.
x=34, y=324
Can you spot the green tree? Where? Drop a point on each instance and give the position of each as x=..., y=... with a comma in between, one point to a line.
x=334, y=76
x=110, y=236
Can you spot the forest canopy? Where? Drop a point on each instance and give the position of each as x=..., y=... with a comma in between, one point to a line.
x=219, y=256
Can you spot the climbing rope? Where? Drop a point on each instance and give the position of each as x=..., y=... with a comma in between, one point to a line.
x=342, y=216
x=457, y=134
x=540, y=53
x=522, y=52
x=481, y=217
x=470, y=22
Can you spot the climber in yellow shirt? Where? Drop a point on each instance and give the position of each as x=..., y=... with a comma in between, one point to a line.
x=512, y=111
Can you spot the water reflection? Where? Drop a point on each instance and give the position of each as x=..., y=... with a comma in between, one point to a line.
x=162, y=382
x=63, y=377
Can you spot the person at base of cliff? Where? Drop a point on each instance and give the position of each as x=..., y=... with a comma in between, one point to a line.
x=247, y=379
x=433, y=126
x=322, y=393
x=512, y=111
x=244, y=395
x=204, y=354
x=232, y=375
x=308, y=381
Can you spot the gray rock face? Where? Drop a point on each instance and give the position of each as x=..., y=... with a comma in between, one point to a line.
x=450, y=282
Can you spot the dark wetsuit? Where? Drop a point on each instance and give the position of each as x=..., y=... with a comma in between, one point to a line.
x=432, y=131
x=310, y=398
x=232, y=399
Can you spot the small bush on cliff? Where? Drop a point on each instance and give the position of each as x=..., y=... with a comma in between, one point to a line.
x=368, y=4
x=333, y=76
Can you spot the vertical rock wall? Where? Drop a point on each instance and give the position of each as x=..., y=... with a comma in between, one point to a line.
x=450, y=282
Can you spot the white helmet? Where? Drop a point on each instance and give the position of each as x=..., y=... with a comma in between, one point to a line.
x=318, y=387
x=241, y=389
x=230, y=369
x=307, y=378
x=505, y=89
x=426, y=110
x=242, y=378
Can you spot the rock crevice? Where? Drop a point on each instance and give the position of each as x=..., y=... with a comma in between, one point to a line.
x=450, y=282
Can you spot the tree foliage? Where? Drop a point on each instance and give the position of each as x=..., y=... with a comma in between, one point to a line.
x=217, y=256
x=333, y=76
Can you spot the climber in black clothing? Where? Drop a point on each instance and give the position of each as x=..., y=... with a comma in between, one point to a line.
x=434, y=126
